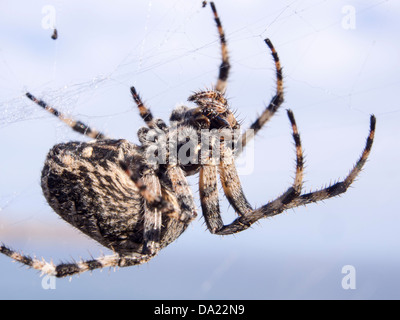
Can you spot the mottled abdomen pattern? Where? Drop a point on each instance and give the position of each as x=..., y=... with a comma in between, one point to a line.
x=85, y=186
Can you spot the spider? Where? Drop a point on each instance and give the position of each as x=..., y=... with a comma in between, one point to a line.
x=111, y=191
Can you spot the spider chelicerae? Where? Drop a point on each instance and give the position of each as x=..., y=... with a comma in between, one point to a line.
x=135, y=199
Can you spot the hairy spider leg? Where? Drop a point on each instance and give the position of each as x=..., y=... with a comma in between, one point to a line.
x=178, y=183
x=234, y=193
x=292, y=197
x=274, y=104
x=144, y=112
x=110, y=261
x=231, y=185
x=152, y=218
x=176, y=200
x=225, y=65
x=209, y=197
x=339, y=187
x=77, y=126
x=69, y=269
x=153, y=199
x=158, y=201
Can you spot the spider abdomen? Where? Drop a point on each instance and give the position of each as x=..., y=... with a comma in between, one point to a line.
x=85, y=186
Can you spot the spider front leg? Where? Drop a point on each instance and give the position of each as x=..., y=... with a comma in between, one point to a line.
x=224, y=69
x=337, y=188
x=292, y=197
x=225, y=65
x=233, y=190
x=274, y=104
x=77, y=126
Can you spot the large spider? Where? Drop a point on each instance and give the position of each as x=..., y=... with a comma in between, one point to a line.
x=114, y=191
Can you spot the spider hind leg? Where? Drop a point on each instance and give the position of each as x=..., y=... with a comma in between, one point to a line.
x=341, y=186
x=234, y=193
x=292, y=197
x=72, y=268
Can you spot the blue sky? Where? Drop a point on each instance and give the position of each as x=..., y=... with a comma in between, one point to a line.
x=335, y=78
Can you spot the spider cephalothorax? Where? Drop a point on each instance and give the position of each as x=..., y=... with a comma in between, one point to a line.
x=135, y=199
x=213, y=111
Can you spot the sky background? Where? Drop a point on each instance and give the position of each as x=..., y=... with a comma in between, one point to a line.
x=336, y=71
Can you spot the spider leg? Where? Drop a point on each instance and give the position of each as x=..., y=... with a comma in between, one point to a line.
x=177, y=182
x=143, y=180
x=75, y=125
x=274, y=104
x=152, y=218
x=209, y=198
x=145, y=112
x=162, y=198
x=292, y=198
x=225, y=65
x=176, y=199
x=339, y=187
x=231, y=185
x=69, y=269
x=234, y=193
